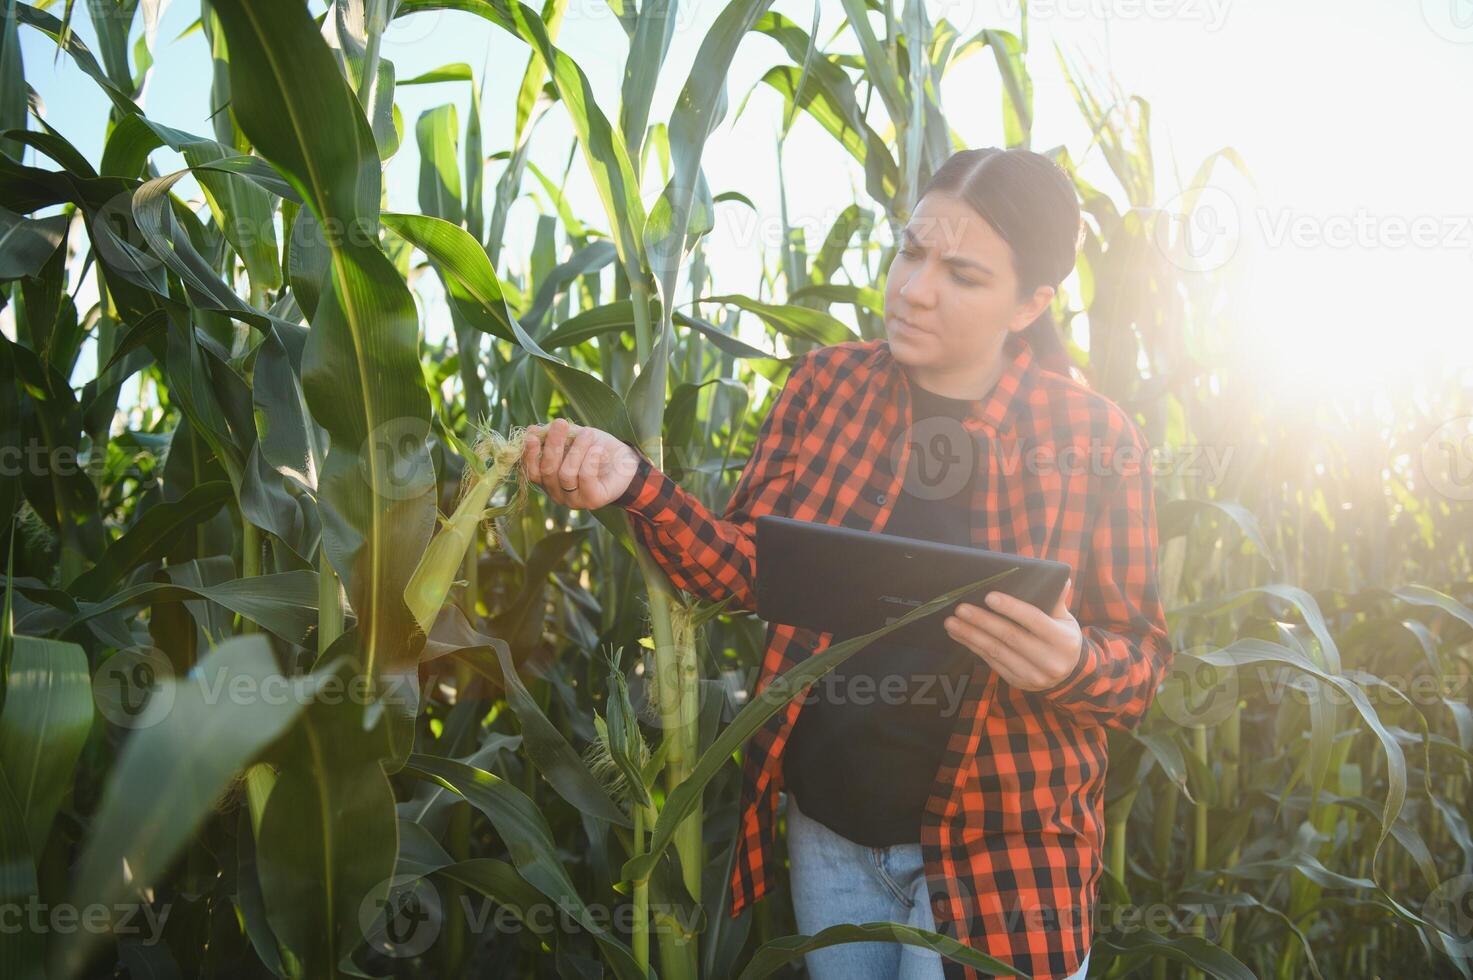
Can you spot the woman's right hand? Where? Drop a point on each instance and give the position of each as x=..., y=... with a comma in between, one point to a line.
x=597, y=465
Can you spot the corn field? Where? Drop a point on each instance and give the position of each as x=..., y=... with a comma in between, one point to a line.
x=301, y=679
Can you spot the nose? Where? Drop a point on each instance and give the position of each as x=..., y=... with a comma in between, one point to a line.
x=919, y=287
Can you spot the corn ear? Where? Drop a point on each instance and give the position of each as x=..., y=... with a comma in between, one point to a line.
x=492, y=460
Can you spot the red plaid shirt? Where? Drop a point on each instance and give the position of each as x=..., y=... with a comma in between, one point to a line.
x=1014, y=827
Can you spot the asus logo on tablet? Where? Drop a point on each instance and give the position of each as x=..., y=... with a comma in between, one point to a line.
x=900, y=600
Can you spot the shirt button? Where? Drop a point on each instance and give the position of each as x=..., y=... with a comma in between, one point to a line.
x=880, y=499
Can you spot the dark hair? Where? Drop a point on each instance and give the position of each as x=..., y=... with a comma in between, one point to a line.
x=1030, y=202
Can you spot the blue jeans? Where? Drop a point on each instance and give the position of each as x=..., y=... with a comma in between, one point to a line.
x=834, y=880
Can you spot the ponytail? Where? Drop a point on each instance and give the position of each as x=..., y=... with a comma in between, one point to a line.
x=1047, y=343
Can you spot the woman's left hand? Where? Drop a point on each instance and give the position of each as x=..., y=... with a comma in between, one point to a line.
x=1032, y=650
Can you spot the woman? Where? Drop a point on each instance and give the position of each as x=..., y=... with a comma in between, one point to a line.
x=978, y=814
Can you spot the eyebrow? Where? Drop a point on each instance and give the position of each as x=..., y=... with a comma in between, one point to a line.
x=952, y=260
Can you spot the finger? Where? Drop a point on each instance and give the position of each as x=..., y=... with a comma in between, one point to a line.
x=1025, y=614
x=552, y=448
x=968, y=636
x=981, y=641
x=1000, y=628
x=1014, y=669
x=531, y=458
x=570, y=473
x=1061, y=608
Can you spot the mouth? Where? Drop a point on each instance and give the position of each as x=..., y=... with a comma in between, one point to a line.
x=907, y=326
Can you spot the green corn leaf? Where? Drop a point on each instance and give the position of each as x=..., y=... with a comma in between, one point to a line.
x=791, y=321
x=171, y=773
x=27, y=243
x=773, y=698
x=465, y=263
x=654, y=26
x=284, y=603
x=47, y=715
x=530, y=841
x=1253, y=651
x=328, y=838
x=880, y=69
x=438, y=132
x=1191, y=950
x=836, y=110
x=698, y=111
x=151, y=537
x=1295, y=596
x=604, y=150
x=360, y=369
x=548, y=750
x=22, y=954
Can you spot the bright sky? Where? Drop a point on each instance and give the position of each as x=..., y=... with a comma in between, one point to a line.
x=1355, y=249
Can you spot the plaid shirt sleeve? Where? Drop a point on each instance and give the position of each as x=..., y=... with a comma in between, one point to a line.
x=712, y=557
x=1126, y=648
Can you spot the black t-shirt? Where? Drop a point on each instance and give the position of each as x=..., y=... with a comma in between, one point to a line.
x=862, y=756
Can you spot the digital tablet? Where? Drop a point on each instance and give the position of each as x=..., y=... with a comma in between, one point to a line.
x=847, y=582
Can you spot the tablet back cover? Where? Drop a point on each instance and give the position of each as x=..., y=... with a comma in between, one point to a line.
x=845, y=581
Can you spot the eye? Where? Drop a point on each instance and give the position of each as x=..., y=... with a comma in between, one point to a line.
x=909, y=251
x=962, y=280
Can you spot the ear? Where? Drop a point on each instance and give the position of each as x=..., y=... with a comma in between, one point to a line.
x=1042, y=297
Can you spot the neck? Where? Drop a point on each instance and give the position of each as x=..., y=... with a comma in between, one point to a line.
x=969, y=381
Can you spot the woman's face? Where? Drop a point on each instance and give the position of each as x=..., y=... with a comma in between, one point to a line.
x=951, y=296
